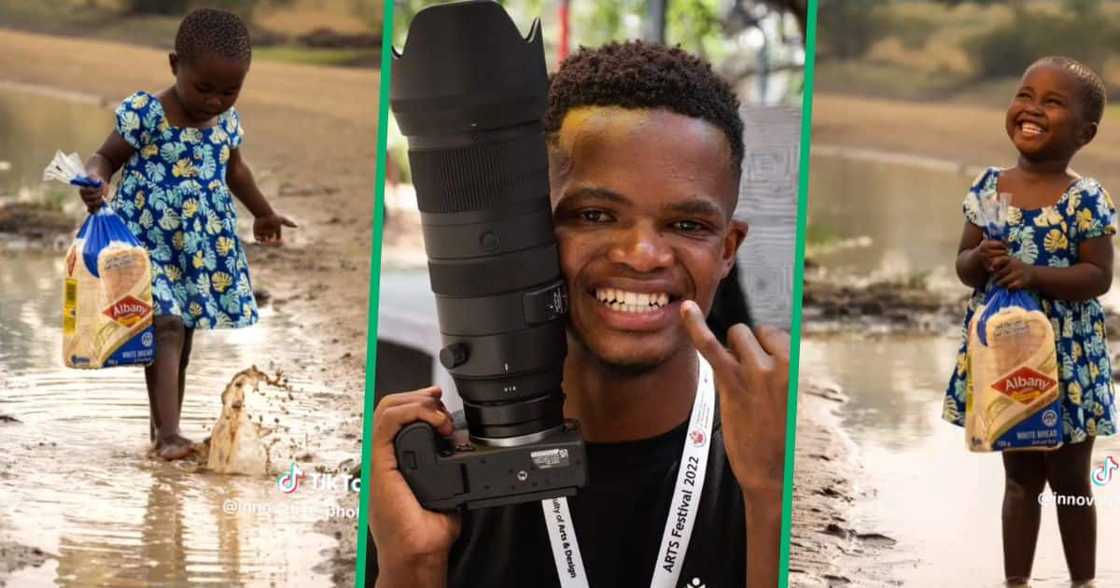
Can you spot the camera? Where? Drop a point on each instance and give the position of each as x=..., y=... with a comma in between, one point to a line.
x=469, y=93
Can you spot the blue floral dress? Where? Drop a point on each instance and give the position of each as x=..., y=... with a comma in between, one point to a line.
x=1049, y=236
x=174, y=198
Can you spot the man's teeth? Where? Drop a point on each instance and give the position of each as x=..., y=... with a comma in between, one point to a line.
x=624, y=301
x=1030, y=128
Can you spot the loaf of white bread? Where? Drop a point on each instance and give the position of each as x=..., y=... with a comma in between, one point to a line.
x=1012, y=380
x=104, y=313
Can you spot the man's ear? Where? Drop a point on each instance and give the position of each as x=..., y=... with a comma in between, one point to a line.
x=736, y=232
x=173, y=61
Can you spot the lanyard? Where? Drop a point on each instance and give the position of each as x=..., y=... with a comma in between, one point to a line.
x=682, y=509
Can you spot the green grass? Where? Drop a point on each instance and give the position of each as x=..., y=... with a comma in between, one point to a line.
x=52, y=16
x=995, y=93
x=148, y=31
x=312, y=56
x=819, y=235
x=884, y=79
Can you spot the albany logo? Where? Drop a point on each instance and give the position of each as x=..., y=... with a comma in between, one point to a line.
x=1024, y=385
x=128, y=311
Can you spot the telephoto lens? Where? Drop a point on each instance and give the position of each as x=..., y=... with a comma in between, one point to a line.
x=469, y=93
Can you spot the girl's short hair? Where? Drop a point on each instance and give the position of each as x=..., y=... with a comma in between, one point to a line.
x=1093, y=95
x=209, y=31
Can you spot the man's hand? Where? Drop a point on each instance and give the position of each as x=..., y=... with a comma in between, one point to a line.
x=413, y=544
x=752, y=380
x=267, y=229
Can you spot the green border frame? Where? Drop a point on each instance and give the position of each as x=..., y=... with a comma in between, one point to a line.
x=374, y=287
x=798, y=276
x=798, y=281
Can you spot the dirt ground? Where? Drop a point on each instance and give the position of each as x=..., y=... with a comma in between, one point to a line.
x=827, y=548
x=310, y=140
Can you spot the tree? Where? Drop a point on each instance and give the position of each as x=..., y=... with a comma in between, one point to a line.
x=181, y=7
x=848, y=28
x=168, y=7
x=740, y=14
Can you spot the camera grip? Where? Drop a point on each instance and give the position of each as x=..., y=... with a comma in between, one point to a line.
x=417, y=447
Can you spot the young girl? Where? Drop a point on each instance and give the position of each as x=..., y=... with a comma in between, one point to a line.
x=1059, y=247
x=179, y=149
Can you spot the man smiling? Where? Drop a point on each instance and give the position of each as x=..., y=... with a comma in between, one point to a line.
x=645, y=146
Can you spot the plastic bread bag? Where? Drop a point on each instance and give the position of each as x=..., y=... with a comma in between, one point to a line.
x=107, y=307
x=1013, y=395
x=107, y=300
x=68, y=169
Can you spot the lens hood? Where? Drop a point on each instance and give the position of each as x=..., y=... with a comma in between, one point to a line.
x=465, y=67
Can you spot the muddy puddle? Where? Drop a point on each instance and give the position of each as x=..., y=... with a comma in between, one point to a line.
x=918, y=483
x=81, y=503
x=35, y=123
x=873, y=216
x=76, y=483
x=883, y=218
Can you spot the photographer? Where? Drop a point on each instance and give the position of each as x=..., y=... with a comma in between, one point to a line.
x=645, y=149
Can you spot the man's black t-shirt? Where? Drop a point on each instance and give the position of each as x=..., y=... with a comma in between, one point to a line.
x=619, y=519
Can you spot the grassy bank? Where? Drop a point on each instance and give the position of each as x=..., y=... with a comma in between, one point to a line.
x=967, y=53
x=287, y=32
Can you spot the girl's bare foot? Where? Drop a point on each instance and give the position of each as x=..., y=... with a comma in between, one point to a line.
x=174, y=447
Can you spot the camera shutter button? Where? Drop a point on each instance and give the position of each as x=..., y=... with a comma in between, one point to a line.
x=453, y=355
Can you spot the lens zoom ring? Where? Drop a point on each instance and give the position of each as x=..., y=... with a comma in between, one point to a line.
x=480, y=176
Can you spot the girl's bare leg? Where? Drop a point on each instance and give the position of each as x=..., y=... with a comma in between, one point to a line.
x=1025, y=478
x=163, y=377
x=1067, y=470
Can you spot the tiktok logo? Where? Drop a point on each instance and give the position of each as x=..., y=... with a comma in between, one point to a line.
x=1103, y=474
x=288, y=482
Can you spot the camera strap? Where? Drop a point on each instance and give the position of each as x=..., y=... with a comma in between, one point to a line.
x=682, y=508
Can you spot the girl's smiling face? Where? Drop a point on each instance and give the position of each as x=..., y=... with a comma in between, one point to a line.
x=207, y=86
x=1046, y=119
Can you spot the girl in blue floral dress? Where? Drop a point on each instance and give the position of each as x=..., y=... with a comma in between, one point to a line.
x=1059, y=247
x=182, y=167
